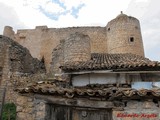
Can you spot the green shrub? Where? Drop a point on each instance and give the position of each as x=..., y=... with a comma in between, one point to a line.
x=9, y=111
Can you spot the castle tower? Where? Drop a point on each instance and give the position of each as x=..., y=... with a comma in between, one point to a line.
x=77, y=48
x=8, y=32
x=124, y=35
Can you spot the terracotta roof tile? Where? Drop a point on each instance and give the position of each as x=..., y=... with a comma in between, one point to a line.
x=104, y=61
x=103, y=92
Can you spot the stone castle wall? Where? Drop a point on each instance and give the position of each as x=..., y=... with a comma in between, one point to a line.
x=42, y=40
x=121, y=35
x=8, y=31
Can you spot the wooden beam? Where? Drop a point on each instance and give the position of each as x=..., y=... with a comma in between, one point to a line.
x=75, y=102
x=108, y=71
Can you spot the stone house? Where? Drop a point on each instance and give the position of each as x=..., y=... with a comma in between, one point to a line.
x=90, y=77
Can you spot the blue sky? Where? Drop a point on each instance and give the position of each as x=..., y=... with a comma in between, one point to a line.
x=24, y=14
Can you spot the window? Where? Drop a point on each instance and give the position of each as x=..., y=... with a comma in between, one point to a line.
x=22, y=37
x=108, y=29
x=136, y=27
x=131, y=39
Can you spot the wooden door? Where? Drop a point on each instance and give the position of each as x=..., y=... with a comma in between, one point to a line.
x=74, y=113
x=86, y=114
x=57, y=112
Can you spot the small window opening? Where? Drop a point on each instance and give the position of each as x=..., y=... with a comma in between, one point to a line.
x=108, y=29
x=131, y=39
x=136, y=27
x=22, y=37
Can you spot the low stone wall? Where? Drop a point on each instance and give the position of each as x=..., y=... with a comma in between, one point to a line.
x=25, y=108
x=30, y=108
x=40, y=107
x=37, y=109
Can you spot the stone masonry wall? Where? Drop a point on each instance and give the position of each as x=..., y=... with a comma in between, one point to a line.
x=8, y=32
x=30, y=108
x=57, y=58
x=77, y=48
x=124, y=35
x=121, y=35
x=42, y=40
x=36, y=109
x=19, y=58
x=25, y=108
x=17, y=66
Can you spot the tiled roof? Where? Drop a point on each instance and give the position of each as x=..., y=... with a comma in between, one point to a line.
x=50, y=88
x=103, y=61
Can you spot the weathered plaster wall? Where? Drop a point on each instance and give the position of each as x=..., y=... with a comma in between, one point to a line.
x=89, y=79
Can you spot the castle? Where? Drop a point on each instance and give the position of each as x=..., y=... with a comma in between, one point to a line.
x=120, y=35
x=91, y=73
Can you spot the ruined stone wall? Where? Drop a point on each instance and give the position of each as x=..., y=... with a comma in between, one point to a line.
x=57, y=59
x=3, y=51
x=42, y=40
x=8, y=32
x=19, y=58
x=17, y=66
x=27, y=106
x=77, y=48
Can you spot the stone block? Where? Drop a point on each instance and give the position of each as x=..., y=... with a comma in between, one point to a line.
x=21, y=116
x=19, y=109
x=133, y=104
x=21, y=101
x=30, y=99
x=148, y=105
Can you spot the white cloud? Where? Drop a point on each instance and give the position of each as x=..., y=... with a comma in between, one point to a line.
x=9, y=17
x=92, y=13
x=52, y=7
x=70, y=3
x=137, y=8
x=148, y=12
